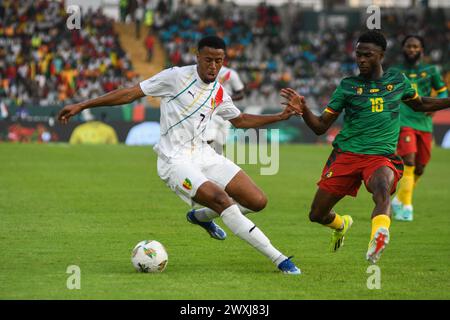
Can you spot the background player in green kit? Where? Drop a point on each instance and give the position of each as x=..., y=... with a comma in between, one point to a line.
x=364, y=149
x=414, y=144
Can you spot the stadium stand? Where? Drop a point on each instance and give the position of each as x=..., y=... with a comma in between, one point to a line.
x=272, y=48
x=44, y=63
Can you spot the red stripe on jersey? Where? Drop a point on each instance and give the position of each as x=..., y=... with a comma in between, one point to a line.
x=219, y=96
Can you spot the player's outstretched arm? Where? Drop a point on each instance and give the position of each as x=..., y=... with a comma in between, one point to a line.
x=427, y=104
x=245, y=120
x=113, y=98
x=318, y=124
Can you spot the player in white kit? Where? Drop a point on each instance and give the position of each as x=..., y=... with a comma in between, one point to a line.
x=190, y=97
x=217, y=132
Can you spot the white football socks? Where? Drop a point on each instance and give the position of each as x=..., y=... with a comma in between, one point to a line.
x=206, y=214
x=247, y=231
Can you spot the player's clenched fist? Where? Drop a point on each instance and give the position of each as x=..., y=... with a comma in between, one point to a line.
x=68, y=111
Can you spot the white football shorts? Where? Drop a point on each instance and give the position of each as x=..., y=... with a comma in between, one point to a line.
x=184, y=175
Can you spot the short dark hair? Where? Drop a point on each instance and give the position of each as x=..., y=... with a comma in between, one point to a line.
x=212, y=42
x=374, y=37
x=415, y=36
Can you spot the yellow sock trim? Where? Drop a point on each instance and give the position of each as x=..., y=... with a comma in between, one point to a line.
x=381, y=220
x=337, y=223
x=405, y=192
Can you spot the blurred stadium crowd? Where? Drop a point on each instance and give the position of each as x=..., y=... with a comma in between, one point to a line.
x=271, y=51
x=43, y=63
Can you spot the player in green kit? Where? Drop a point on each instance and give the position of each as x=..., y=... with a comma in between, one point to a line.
x=365, y=148
x=414, y=144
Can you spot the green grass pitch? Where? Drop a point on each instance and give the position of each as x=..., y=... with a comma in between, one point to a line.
x=88, y=206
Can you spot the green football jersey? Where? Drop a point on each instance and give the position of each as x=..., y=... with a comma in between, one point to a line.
x=423, y=77
x=371, y=120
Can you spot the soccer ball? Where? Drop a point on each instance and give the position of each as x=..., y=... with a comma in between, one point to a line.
x=149, y=256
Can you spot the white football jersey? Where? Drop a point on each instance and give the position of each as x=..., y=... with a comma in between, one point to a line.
x=187, y=105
